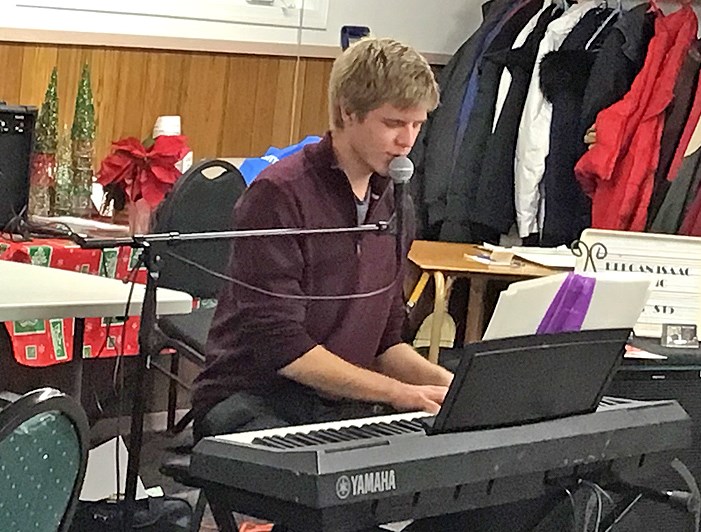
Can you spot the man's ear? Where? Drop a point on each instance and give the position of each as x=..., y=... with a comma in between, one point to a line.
x=346, y=116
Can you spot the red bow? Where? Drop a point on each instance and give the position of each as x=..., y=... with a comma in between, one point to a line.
x=147, y=173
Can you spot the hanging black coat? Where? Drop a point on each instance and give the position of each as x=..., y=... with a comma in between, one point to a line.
x=564, y=75
x=682, y=192
x=676, y=117
x=463, y=181
x=433, y=151
x=493, y=206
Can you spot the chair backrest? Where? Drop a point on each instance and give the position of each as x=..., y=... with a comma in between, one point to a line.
x=43, y=456
x=196, y=204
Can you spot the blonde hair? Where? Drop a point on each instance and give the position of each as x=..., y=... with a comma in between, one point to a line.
x=373, y=72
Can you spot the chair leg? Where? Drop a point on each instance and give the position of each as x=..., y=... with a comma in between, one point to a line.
x=173, y=390
x=183, y=423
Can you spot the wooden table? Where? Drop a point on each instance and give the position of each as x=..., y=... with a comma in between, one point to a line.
x=448, y=259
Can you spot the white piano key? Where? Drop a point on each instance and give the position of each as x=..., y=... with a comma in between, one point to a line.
x=248, y=437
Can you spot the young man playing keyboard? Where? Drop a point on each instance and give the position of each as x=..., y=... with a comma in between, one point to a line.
x=310, y=330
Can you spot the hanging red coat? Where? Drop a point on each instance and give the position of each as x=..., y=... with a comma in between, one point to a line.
x=618, y=172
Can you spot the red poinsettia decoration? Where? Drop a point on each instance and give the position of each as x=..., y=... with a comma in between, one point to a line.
x=141, y=172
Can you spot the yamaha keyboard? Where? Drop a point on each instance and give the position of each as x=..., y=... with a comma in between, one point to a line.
x=353, y=474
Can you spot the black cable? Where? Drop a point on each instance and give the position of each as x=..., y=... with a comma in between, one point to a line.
x=20, y=226
x=16, y=227
x=108, y=320
x=130, y=279
x=119, y=387
x=339, y=297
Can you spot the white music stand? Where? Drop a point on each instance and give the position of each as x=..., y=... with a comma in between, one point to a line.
x=617, y=302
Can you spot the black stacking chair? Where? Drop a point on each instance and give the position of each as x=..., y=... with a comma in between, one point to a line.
x=197, y=203
x=43, y=457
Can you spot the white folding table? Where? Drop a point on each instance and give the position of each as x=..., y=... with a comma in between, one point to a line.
x=37, y=292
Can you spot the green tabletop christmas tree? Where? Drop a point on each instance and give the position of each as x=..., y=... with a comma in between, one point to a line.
x=83, y=144
x=43, y=166
x=63, y=203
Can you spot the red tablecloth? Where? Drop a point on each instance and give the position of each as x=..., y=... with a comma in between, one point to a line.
x=44, y=343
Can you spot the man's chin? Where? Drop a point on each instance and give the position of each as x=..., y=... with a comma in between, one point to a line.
x=383, y=170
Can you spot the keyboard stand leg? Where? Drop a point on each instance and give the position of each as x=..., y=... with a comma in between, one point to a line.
x=223, y=515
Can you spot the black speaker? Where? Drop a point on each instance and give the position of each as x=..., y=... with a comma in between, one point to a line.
x=16, y=139
x=678, y=379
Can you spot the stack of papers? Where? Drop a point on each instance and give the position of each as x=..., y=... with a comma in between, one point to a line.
x=560, y=257
x=82, y=225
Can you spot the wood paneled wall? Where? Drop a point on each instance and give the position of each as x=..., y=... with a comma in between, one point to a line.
x=231, y=105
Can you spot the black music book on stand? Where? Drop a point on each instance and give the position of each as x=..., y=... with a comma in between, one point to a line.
x=524, y=379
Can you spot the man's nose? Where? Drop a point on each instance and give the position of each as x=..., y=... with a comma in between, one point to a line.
x=406, y=137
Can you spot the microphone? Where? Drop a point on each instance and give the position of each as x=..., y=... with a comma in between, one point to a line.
x=400, y=170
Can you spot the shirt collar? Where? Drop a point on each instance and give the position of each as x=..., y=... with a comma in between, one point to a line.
x=325, y=156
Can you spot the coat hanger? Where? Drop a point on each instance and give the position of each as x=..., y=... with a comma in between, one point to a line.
x=614, y=13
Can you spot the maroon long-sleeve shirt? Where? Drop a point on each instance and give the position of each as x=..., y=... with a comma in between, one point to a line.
x=253, y=335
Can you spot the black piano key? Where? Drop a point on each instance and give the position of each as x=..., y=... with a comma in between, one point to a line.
x=402, y=425
x=295, y=440
x=328, y=436
x=316, y=437
x=393, y=428
x=273, y=441
x=269, y=443
x=355, y=431
x=306, y=440
x=282, y=441
x=374, y=430
x=403, y=428
x=382, y=429
x=344, y=436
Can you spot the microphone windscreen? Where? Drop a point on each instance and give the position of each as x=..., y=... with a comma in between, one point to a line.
x=401, y=169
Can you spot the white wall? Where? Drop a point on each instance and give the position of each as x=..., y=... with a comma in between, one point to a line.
x=432, y=26
x=435, y=27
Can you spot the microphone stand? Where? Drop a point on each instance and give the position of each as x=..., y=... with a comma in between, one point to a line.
x=151, y=338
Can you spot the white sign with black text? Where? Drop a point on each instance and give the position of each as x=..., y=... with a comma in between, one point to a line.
x=672, y=262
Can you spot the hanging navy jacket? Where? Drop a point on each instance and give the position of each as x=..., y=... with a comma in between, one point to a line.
x=433, y=150
x=618, y=62
x=564, y=75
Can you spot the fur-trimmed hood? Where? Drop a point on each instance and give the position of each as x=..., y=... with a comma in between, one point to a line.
x=565, y=71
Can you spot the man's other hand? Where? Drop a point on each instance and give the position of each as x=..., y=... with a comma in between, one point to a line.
x=411, y=397
x=590, y=137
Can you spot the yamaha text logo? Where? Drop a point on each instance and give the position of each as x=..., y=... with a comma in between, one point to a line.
x=364, y=483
